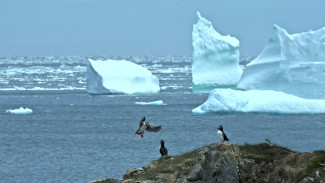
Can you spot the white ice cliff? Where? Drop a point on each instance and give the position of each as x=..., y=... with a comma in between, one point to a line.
x=215, y=58
x=268, y=101
x=119, y=76
x=293, y=64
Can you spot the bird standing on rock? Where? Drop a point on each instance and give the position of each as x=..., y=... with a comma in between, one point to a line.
x=223, y=137
x=163, y=150
x=146, y=126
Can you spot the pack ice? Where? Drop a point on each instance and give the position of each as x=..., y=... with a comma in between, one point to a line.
x=293, y=63
x=119, y=76
x=215, y=58
x=268, y=101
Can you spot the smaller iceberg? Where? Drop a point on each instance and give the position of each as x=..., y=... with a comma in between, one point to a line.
x=158, y=102
x=119, y=77
x=215, y=58
x=21, y=110
x=266, y=101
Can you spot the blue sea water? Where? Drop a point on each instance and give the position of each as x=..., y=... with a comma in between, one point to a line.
x=72, y=136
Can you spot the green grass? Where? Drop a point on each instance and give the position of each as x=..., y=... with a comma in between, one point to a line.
x=260, y=152
x=315, y=164
x=300, y=165
x=170, y=164
x=164, y=158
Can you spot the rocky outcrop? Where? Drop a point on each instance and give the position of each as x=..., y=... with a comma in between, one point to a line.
x=232, y=164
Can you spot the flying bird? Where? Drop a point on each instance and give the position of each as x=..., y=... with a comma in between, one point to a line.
x=223, y=137
x=146, y=126
x=163, y=150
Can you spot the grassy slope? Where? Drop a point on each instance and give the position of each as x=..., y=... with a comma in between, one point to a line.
x=295, y=165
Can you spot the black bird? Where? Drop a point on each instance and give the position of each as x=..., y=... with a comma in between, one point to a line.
x=223, y=137
x=146, y=126
x=163, y=150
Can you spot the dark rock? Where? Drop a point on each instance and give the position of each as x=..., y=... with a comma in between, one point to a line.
x=307, y=180
x=194, y=174
x=181, y=179
x=131, y=173
x=272, y=179
x=164, y=176
x=220, y=164
x=150, y=181
x=248, y=168
x=109, y=180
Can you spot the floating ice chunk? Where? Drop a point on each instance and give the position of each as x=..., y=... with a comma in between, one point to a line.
x=112, y=76
x=215, y=58
x=228, y=100
x=293, y=63
x=170, y=87
x=21, y=110
x=158, y=102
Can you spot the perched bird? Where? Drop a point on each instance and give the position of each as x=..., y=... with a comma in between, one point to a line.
x=146, y=126
x=223, y=137
x=163, y=150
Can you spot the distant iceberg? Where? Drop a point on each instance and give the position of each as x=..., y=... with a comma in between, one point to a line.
x=293, y=64
x=21, y=110
x=158, y=102
x=267, y=101
x=119, y=76
x=215, y=58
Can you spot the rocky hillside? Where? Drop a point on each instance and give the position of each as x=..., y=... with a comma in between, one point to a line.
x=232, y=163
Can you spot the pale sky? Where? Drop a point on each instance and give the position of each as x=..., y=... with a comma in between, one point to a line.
x=144, y=27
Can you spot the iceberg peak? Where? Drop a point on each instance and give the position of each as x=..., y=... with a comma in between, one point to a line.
x=277, y=28
x=215, y=58
x=202, y=24
x=279, y=31
x=199, y=15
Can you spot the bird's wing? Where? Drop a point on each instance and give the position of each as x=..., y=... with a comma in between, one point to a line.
x=153, y=128
x=163, y=151
x=225, y=137
x=142, y=120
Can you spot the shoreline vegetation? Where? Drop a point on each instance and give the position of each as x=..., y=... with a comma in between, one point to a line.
x=229, y=162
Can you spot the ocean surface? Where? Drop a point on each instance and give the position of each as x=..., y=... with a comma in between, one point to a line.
x=73, y=136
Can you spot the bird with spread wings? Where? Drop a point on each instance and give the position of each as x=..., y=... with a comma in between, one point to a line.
x=145, y=126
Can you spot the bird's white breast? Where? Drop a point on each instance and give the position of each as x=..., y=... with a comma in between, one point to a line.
x=143, y=128
x=220, y=134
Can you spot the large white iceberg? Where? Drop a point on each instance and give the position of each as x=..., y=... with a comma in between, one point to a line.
x=293, y=63
x=215, y=58
x=268, y=101
x=119, y=76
